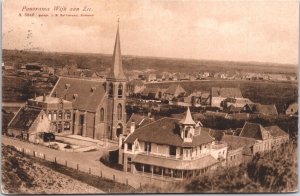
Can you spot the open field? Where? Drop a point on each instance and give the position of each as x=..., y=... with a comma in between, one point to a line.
x=278, y=93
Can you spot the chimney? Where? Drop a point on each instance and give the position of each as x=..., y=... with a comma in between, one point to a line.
x=44, y=97
x=132, y=127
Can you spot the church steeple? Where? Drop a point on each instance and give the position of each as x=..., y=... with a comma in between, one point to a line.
x=116, y=71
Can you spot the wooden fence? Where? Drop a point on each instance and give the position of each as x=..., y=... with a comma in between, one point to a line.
x=136, y=181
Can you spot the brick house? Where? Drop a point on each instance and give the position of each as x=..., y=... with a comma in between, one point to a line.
x=58, y=111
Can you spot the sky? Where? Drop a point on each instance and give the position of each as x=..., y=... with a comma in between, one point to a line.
x=263, y=31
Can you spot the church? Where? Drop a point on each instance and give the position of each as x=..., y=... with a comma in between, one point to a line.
x=98, y=106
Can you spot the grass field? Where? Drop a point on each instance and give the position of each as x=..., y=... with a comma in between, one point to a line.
x=278, y=93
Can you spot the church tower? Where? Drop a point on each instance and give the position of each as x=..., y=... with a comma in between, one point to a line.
x=116, y=100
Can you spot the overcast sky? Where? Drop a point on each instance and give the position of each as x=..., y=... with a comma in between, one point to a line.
x=264, y=31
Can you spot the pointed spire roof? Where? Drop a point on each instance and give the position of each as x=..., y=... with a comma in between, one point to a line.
x=116, y=71
x=188, y=120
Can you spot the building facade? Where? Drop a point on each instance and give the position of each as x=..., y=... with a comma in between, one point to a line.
x=98, y=105
x=171, y=147
x=58, y=111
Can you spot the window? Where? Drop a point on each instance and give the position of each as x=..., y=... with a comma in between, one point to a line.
x=68, y=115
x=147, y=147
x=67, y=126
x=129, y=146
x=81, y=119
x=120, y=91
x=101, y=114
x=54, y=116
x=186, y=133
x=172, y=150
x=119, y=112
x=60, y=115
x=50, y=116
x=111, y=90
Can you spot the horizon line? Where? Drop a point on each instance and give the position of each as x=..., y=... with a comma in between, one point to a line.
x=166, y=57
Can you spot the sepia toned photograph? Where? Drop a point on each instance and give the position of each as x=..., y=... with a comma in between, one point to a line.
x=149, y=96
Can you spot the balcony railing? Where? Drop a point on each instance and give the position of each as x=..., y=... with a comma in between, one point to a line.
x=173, y=157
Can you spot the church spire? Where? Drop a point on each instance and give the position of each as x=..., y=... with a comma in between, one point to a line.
x=116, y=71
x=188, y=120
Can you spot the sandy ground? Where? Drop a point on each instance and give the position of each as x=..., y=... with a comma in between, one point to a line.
x=22, y=175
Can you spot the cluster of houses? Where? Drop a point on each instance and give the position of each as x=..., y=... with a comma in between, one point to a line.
x=227, y=102
x=169, y=76
x=168, y=147
x=181, y=148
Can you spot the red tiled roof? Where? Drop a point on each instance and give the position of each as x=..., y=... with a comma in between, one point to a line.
x=176, y=164
x=166, y=131
x=83, y=93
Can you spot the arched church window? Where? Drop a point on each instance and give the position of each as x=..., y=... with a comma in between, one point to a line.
x=119, y=112
x=111, y=90
x=120, y=91
x=101, y=114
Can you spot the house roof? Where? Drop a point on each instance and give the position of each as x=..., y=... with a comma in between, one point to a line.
x=139, y=120
x=136, y=83
x=24, y=118
x=176, y=164
x=226, y=92
x=265, y=109
x=235, y=142
x=89, y=73
x=174, y=88
x=85, y=94
x=188, y=120
x=48, y=99
x=275, y=131
x=255, y=131
x=166, y=131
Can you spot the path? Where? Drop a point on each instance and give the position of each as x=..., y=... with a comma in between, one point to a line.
x=84, y=161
